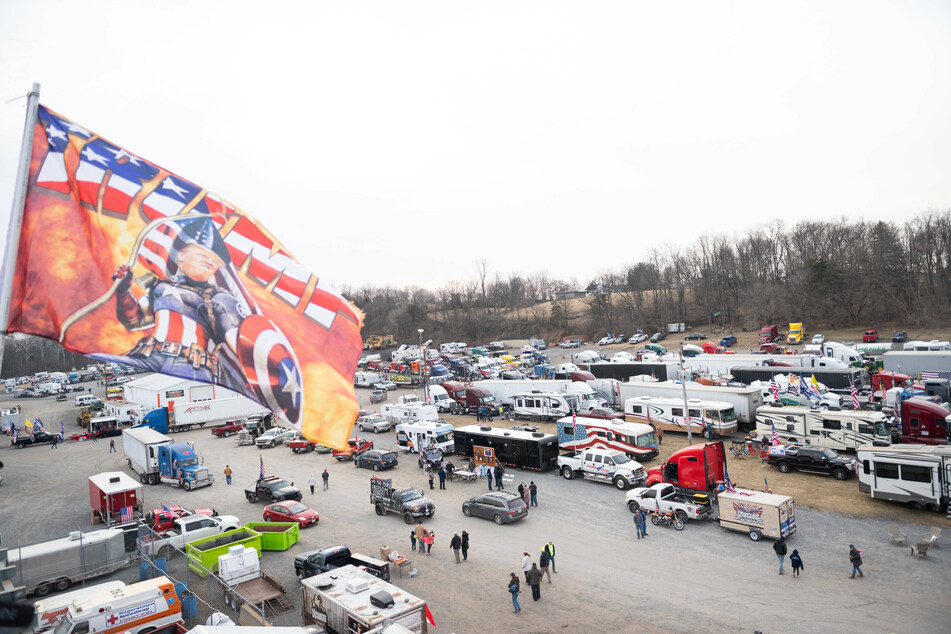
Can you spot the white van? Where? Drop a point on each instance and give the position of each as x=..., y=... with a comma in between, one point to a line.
x=86, y=399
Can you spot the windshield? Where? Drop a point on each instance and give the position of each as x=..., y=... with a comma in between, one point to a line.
x=440, y=438
x=487, y=399
x=191, y=462
x=63, y=626
x=647, y=440
x=280, y=484
x=296, y=508
x=881, y=429
x=620, y=459
x=830, y=454
x=409, y=496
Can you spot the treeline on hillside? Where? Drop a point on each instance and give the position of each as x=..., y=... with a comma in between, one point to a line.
x=24, y=355
x=837, y=273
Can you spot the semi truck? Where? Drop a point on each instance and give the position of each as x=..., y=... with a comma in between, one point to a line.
x=694, y=468
x=925, y=422
x=468, y=398
x=200, y=413
x=155, y=458
x=745, y=400
x=796, y=333
x=661, y=370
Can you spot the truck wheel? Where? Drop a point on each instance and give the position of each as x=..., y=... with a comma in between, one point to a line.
x=226, y=434
x=187, y=485
x=62, y=584
x=840, y=474
x=407, y=518
x=43, y=590
x=248, y=495
x=678, y=524
x=680, y=515
x=567, y=473
x=620, y=483
x=783, y=467
x=754, y=535
x=154, y=479
x=380, y=510
x=633, y=506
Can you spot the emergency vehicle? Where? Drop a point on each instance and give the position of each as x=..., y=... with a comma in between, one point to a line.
x=147, y=605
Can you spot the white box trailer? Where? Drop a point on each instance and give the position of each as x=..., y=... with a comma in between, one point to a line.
x=218, y=411
x=919, y=475
x=141, y=445
x=56, y=565
x=348, y=599
x=722, y=364
x=126, y=412
x=745, y=400
x=366, y=379
x=914, y=362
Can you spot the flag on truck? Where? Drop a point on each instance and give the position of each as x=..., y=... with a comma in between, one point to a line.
x=726, y=481
x=165, y=276
x=855, y=396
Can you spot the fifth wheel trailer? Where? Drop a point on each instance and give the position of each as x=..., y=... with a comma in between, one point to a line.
x=745, y=400
x=919, y=475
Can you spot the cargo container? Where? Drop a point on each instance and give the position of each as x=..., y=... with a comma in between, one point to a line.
x=756, y=513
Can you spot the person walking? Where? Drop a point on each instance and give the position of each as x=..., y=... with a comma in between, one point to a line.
x=526, y=564
x=430, y=475
x=638, y=526
x=513, y=589
x=112, y=445
x=780, y=548
x=312, y=483
x=488, y=476
x=456, y=545
x=499, y=472
x=465, y=545
x=428, y=539
x=228, y=473
x=550, y=547
x=525, y=496
x=326, y=478
x=796, y=562
x=412, y=539
x=533, y=493
x=534, y=578
x=442, y=477
x=544, y=561
x=53, y=441
x=855, y=556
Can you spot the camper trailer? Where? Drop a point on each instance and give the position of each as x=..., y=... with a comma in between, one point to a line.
x=637, y=440
x=919, y=475
x=539, y=406
x=835, y=429
x=745, y=400
x=711, y=418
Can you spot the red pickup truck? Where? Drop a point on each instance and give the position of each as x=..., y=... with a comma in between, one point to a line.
x=163, y=519
x=355, y=448
x=231, y=427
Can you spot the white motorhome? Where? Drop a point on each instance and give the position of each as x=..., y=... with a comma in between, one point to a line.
x=579, y=394
x=637, y=440
x=409, y=412
x=710, y=418
x=919, y=475
x=452, y=347
x=541, y=405
x=745, y=400
x=840, y=430
x=934, y=344
x=410, y=436
x=366, y=379
x=797, y=397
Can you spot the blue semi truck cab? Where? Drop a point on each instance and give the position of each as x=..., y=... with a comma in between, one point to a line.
x=159, y=420
x=179, y=466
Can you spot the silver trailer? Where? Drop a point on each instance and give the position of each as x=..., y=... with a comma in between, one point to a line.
x=141, y=445
x=745, y=400
x=55, y=565
x=915, y=362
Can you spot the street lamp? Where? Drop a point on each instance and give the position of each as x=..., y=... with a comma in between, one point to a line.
x=683, y=384
x=422, y=367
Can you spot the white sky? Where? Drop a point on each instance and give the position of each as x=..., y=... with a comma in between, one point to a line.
x=399, y=142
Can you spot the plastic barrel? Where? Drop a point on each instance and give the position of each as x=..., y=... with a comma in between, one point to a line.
x=145, y=571
x=181, y=588
x=189, y=607
x=161, y=565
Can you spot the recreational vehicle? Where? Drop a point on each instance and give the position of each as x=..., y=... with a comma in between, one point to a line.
x=637, y=440
x=745, y=400
x=425, y=434
x=711, y=418
x=515, y=448
x=919, y=475
x=835, y=429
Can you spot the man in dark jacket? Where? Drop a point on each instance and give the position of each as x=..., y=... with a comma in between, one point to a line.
x=780, y=548
x=855, y=556
x=456, y=544
x=499, y=471
x=543, y=562
x=442, y=478
x=534, y=577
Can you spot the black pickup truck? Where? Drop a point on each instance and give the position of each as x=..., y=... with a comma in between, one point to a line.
x=409, y=503
x=319, y=561
x=814, y=459
x=272, y=489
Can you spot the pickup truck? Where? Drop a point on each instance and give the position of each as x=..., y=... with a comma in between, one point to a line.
x=409, y=503
x=188, y=529
x=603, y=465
x=272, y=489
x=814, y=459
x=164, y=518
x=319, y=561
x=355, y=447
x=231, y=427
x=275, y=436
x=665, y=498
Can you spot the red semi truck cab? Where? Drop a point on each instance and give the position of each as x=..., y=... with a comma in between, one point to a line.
x=924, y=422
x=468, y=398
x=768, y=334
x=888, y=380
x=697, y=468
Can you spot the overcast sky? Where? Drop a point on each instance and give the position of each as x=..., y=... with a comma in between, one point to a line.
x=399, y=142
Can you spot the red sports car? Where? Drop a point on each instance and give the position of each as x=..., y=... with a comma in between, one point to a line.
x=291, y=511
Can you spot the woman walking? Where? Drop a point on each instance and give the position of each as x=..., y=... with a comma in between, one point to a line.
x=465, y=545
x=855, y=556
x=513, y=589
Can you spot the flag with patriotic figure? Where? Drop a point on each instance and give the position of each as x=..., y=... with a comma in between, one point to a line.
x=775, y=436
x=165, y=276
x=262, y=466
x=855, y=396
x=793, y=385
x=803, y=386
x=767, y=489
x=774, y=388
x=37, y=425
x=13, y=427
x=726, y=481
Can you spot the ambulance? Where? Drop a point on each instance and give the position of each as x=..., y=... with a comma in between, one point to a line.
x=48, y=612
x=147, y=605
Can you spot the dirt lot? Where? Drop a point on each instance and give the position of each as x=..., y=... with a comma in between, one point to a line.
x=704, y=578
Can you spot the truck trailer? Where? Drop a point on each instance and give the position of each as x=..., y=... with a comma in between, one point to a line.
x=156, y=458
x=936, y=363
x=200, y=413
x=835, y=379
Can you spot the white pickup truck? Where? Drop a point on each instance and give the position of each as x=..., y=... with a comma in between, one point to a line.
x=188, y=529
x=664, y=497
x=603, y=465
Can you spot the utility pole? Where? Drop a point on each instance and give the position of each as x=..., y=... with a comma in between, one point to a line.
x=683, y=384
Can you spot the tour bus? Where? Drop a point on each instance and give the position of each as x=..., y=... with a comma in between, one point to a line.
x=637, y=440
x=514, y=448
x=710, y=418
x=832, y=428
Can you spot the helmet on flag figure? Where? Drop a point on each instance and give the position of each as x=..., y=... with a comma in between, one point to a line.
x=268, y=360
x=201, y=231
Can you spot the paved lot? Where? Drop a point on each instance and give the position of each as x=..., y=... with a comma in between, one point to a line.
x=702, y=579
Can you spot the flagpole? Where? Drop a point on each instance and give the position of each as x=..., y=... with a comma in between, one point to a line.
x=16, y=212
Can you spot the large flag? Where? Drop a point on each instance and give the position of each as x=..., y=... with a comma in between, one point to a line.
x=814, y=387
x=855, y=396
x=774, y=437
x=793, y=385
x=125, y=261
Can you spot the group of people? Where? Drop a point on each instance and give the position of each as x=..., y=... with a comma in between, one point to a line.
x=312, y=481
x=485, y=413
x=495, y=473
x=444, y=473
x=529, y=493
x=780, y=548
x=534, y=573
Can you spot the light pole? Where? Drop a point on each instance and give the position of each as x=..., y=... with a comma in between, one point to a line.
x=683, y=384
x=422, y=368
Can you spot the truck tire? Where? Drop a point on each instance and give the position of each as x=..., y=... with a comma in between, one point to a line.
x=567, y=473
x=62, y=584
x=680, y=515
x=407, y=518
x=250, y=497
x=620, y=483
x=633, y=506
x=153, y=479
x=754, y=535
x=226, y=434
x=840, y=474
x=187, y=485
x=783, y=467
x=380, y=510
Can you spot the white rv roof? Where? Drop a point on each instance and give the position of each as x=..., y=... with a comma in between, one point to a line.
x=758, y=497
x=503, y=432
x=694, y=402
x=124, y=482
x=359, y=602
x=616, y=423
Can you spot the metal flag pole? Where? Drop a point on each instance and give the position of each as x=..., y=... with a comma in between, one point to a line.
x=16, y=212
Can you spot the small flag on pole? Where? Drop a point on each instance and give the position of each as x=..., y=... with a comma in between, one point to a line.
x=767, y=489
x=262, y=466
x=855, y=396
x=775, y=436
x=774, y=388
x=62, y=431
x=726, y=481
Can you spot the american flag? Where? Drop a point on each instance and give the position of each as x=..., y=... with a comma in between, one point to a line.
x=726, y=481
x=793, y=385
x=855, y=396
x=775, y=436
x=125, y=514
x=767, y=489
x=930, y=375
x=62, y=431
x=262, y=466
x=774, y=388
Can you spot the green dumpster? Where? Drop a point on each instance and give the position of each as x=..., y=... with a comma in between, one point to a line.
x=205, y=552
x=276, y=535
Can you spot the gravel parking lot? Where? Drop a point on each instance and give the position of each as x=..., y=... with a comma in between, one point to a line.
x=704, y=578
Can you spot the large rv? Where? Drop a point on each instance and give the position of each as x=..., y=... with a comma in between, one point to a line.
x=579, y=393
x=836, y=429
x=637, y=440
x=539, y=406
x=919, y=475
x=522, y=449
x=710, y=418
x=745, y=400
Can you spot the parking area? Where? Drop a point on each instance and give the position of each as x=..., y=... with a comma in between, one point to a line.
x=704, y=578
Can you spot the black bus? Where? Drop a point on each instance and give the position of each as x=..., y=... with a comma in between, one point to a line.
x=513, y=448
